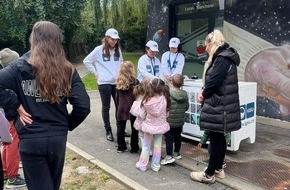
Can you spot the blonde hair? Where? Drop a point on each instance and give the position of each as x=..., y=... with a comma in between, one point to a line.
x=125, y=76
x=215, y=39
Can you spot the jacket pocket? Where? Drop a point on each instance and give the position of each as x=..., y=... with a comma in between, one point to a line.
x=215, y=100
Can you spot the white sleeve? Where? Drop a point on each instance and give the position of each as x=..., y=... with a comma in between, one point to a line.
x=90, y=61
x=142, y=70
x=180, y=64
x=164, y=64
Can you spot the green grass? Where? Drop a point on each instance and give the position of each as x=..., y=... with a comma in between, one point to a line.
x=90, y=81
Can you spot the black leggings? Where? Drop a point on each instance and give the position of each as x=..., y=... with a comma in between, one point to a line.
x=218, y=149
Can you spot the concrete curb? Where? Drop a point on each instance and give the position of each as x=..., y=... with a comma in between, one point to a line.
x=114, y=173
x=190, y=164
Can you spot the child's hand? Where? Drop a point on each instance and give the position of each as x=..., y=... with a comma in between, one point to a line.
x=199, y=145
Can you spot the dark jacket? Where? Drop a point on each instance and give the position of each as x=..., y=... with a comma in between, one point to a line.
x=49, y=119
x=221, y=107
x=9, y=102
x=125, y=99
x=179, y=104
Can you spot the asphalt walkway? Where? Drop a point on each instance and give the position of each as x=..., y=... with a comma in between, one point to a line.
x=262, y=165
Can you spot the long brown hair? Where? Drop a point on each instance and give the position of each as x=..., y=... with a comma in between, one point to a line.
x=53, y=71
x=106, y=48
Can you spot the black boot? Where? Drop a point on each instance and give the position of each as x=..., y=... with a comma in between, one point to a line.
x=109, y=136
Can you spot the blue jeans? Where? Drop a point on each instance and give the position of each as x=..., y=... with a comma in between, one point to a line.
x=106, y=91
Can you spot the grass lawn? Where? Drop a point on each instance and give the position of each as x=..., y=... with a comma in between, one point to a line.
x=89, y=80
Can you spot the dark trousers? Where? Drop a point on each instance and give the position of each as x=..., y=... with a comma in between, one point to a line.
x=173, y=136
x=121, y=135
x=106, y=92
x=218, y=149
x=43, y=160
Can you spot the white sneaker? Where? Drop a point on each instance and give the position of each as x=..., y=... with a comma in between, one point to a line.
x=220, y=173
x=201, y=177
x=176, y=155
x=167, y=160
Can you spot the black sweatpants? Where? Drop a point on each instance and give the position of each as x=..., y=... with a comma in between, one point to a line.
x=173, y=136
x=218, y=149
x=43, y=161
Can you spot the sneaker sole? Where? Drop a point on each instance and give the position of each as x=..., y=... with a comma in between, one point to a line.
x=14, y=186
x=168, y=162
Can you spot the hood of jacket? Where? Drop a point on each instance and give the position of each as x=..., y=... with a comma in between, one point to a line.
x=179, y=96
x=23, y=65
x=229, y=53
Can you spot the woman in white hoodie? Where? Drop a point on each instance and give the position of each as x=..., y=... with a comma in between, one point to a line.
x=104, y=61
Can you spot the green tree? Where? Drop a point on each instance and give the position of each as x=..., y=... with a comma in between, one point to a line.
x=20, y=16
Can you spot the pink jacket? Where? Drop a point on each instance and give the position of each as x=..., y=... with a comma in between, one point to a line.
x=136, y=110
x=156, y=114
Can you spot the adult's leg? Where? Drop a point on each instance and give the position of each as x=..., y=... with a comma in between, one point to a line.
x=217, y=152
x=56, y=155
x=121, y=135
x=43, y=161
x=105, y=93
x=35, y=167
x=169, y=142
x=134, y=137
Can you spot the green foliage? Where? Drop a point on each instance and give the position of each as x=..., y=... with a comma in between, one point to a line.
x=20, y=16
x=127, y=16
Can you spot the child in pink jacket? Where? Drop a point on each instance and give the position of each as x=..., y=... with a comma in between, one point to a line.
x=156, y=104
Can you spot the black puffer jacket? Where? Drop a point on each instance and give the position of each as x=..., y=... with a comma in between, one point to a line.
x=221, y=107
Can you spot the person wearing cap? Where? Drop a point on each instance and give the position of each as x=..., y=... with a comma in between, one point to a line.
x=172, y=61
x=10, y=152
x=148, y=64
x=104, y=62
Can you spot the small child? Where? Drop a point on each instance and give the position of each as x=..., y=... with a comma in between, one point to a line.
x=125, y=98
x=179, y=104
x=156, y=103
x=205, y=138
x=137, y=111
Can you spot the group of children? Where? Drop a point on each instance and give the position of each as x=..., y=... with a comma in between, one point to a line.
x=154, y=109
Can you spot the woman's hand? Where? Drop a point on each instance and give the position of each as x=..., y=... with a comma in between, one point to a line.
x=200, y=97
x=24, y=117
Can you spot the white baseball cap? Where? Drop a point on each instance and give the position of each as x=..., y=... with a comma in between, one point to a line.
x=113, y=33
x=174, y=42
x=152, y=45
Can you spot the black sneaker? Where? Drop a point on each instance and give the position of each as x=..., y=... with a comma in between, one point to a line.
x=133, y=151
x=15, y=182
x=121, y=150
